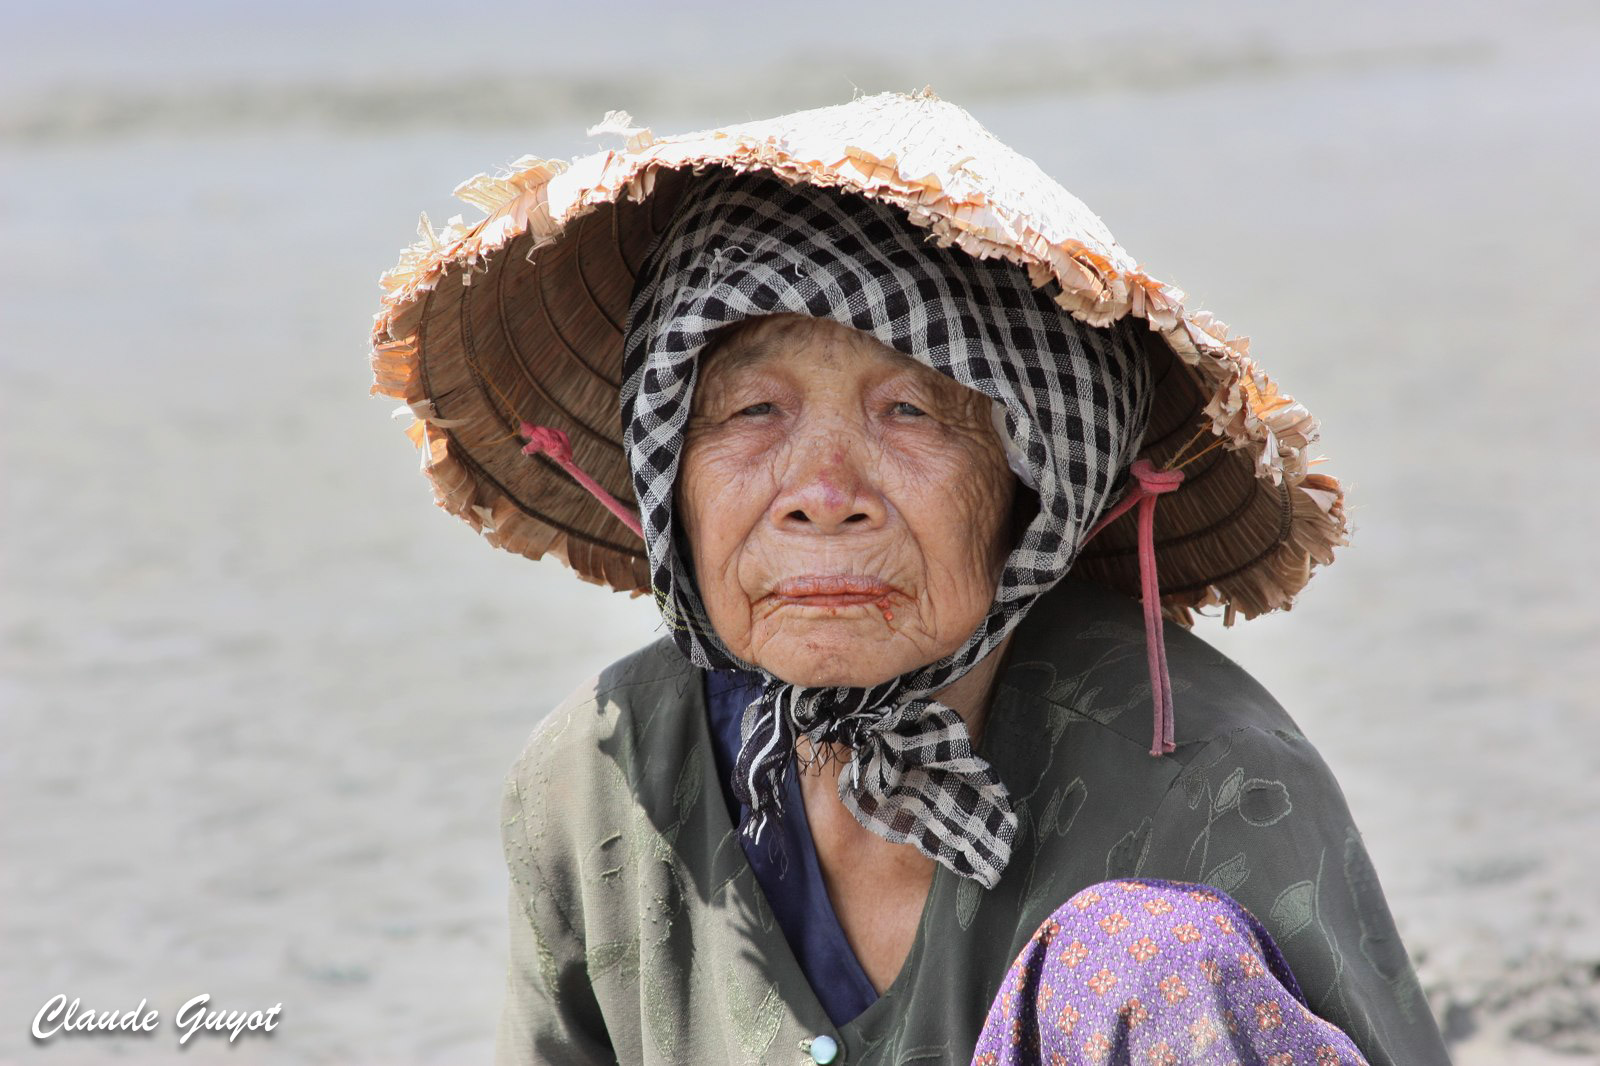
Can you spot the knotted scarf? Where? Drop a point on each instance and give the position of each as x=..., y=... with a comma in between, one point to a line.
x=1071, y=404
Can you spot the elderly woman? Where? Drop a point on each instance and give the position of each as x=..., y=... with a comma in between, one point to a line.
x=878, y=797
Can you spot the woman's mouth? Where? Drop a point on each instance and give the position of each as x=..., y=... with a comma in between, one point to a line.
x=832, y=590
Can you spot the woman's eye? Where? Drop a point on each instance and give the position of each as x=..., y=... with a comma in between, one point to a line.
x=906, y=408
x=755, y=409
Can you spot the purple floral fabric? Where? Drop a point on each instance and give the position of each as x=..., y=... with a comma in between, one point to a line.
x=1155, y=973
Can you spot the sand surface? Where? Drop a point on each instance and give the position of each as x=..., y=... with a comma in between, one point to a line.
x=257, y=694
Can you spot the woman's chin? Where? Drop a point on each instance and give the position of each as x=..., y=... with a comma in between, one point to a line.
x=831, y=674
x=836, y=656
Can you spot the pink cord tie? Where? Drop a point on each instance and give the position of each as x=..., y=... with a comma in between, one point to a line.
x=1150, y=483
x=554, y=443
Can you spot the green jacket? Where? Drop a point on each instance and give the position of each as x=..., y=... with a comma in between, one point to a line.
x=639, y=934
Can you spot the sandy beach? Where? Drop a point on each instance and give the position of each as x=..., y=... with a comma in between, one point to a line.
x=257, y=694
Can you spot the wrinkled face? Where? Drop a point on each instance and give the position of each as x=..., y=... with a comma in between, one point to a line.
x=846, y=508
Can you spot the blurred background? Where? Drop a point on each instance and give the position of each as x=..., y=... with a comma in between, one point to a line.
x=257, y=694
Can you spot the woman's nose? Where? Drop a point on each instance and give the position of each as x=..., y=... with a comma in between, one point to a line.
x=830, y=487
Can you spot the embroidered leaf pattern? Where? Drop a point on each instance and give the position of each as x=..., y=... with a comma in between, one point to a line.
x=1229, y=875
x=754, y=1022
x=1127, y=856
x=968, y=896
x=662, y=986
x=1294, y=909
x=1264, y=802
x=1228, y=794
x=1117, y=631
x=549, y=970
x=622, y=955
x=1072, y=802
x=691, y=781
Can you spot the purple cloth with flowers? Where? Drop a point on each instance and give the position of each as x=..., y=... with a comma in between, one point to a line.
x=1160, y=973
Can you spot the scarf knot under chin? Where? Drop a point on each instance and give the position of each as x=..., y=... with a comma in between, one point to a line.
x=912, y=774
x=1071, y=403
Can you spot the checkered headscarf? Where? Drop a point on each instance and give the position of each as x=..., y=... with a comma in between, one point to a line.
x=1071, y=403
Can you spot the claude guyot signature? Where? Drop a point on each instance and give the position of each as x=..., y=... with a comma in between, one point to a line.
x=65, y=1017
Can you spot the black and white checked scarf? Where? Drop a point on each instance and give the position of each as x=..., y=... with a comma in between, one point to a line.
x=1072, y=399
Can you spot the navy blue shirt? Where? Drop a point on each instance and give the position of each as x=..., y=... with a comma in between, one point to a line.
x=785, y=863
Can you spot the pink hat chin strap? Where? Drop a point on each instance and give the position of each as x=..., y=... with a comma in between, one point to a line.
x=554, y=443
x=1149, y=483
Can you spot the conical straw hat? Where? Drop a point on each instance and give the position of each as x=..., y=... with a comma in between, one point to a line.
x=520, y=317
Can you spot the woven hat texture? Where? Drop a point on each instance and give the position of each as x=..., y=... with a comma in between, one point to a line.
x=521, y=316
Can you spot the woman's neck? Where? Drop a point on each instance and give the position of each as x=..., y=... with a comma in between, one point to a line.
x=970, y=694
x=878, y=889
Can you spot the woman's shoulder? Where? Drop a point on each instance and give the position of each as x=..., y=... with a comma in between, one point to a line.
x=1242, y=767
x=613, y=694
x=1082, y=652
x=609, y=727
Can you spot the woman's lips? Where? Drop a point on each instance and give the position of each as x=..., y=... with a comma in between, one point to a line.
x=832, y=590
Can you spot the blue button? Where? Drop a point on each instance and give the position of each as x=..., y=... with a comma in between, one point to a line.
x=824, y=1049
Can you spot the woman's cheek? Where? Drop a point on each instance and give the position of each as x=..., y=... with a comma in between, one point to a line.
x=964, y=478
x=709, y=456
x=955, y=493
x=735, y=480
x=724, y=487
